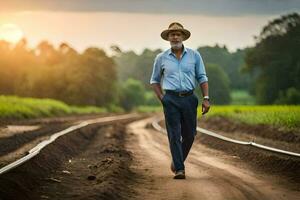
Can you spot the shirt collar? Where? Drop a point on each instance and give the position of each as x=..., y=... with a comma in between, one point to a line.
x=170, y=51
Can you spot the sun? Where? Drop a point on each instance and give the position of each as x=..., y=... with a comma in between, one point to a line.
x=10, y=33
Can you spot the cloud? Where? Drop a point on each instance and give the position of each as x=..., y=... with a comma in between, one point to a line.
x=195, y=7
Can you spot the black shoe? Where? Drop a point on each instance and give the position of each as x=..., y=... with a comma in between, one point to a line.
x=179, y=174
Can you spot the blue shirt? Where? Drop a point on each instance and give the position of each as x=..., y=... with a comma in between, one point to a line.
x=178, y=75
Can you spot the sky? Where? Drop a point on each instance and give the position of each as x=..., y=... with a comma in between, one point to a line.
x=137, y=24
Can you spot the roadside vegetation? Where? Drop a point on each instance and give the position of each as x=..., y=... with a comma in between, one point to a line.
x=12, y=107
x=279, y=116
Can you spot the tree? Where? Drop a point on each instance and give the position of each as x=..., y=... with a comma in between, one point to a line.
x=231, y=63
x=276, y=55
x=291, y=96
x=126, y=64
x=132, y=94
x=95, y=77
x=139, y=67
x=219, y=91
x=144, y=66
x=59, y=73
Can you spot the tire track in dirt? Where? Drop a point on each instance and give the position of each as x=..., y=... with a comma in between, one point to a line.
x=208, y=177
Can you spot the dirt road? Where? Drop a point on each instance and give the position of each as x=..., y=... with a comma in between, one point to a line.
x=130, y=160
x=210, y=174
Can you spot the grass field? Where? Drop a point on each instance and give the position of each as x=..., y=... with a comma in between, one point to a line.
x=13, y=107
x=280, y=116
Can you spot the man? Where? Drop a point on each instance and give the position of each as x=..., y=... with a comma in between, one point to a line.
x=178, y=68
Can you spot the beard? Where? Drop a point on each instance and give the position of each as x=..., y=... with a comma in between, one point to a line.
x=176, y=45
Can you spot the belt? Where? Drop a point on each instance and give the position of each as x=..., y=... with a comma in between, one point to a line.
x=180, y=94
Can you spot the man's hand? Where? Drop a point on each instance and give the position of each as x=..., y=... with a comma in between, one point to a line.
x=205, y=106
x=158, y=91
x=161, y=97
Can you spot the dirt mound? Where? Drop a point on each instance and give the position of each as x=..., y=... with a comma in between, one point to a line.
x=274, y=163
x=261, y=130
x=89, y=163
x=51, y=120
x=13, y=142
x=265, y=161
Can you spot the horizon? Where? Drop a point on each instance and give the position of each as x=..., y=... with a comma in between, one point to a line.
x=136, y=26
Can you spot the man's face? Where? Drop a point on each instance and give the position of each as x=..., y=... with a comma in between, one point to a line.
x=175, y=38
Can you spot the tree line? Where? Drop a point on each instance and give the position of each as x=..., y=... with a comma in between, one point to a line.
x=270, y=70
x=59, y=73
x=222, y=68
x=274, y=61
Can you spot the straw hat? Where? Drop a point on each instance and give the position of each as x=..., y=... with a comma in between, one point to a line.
x=175, y=26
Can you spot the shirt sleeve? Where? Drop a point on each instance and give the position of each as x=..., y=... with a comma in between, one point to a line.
x=156, y=73
x=200, y=69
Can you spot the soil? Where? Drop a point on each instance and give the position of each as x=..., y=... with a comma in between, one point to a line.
x=266, y=161
x=90, y=163
x=210, y=173
x=17, y=137
x=51, y=120
x=254, y=131
x=131, y=160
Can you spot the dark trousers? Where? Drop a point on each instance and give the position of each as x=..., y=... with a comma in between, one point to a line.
x=181, y=122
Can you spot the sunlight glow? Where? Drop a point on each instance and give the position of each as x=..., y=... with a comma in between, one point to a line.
x=11, y=33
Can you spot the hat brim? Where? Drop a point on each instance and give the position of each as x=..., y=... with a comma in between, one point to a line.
x=186, y=33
